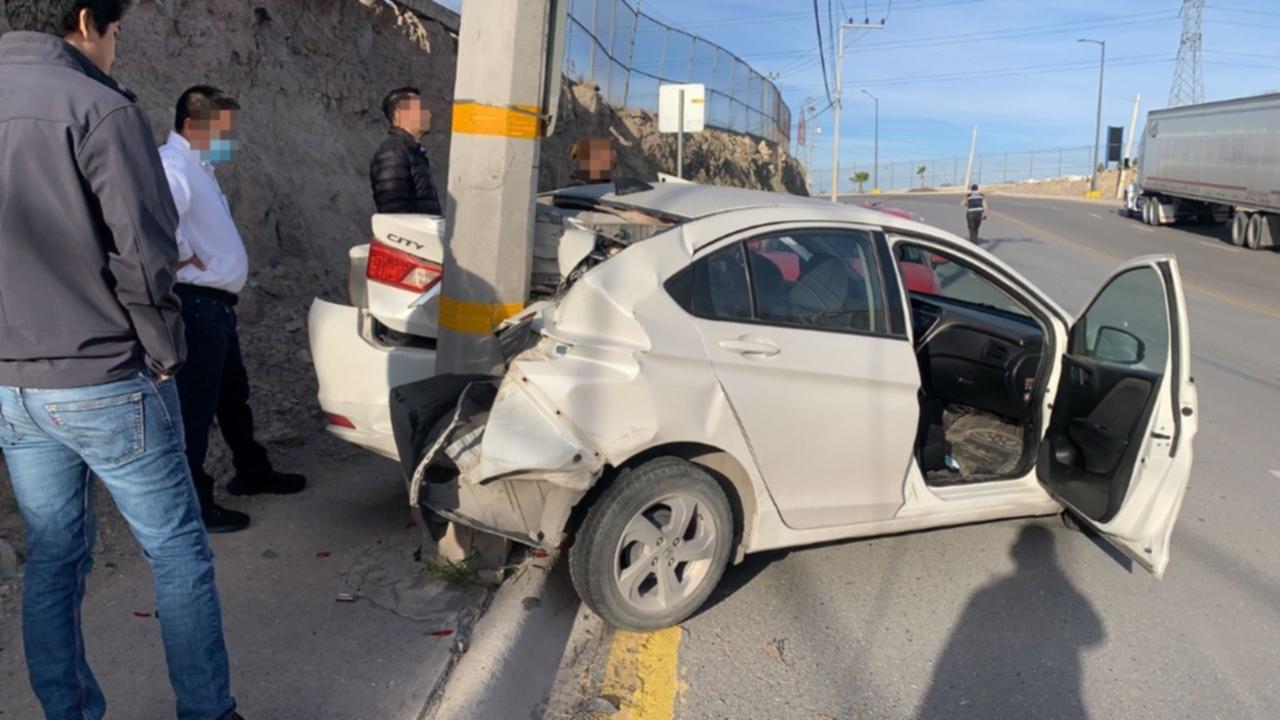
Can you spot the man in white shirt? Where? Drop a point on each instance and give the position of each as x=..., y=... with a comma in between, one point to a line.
x=212, y=270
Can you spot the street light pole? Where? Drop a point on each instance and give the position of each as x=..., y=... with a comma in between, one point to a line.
x=835, y=140
x=875, y=180
x=1097, y=126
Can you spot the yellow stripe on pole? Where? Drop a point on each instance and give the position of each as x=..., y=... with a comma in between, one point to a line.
x=521, y=121
x=475, y=318
x=642, y=674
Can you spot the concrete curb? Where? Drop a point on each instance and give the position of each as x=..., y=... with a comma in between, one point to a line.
x=516, y=650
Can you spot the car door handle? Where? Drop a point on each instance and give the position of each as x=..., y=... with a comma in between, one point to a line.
x=748, y=346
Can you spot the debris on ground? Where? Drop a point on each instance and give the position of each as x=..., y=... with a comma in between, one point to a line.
x=601, y=707
x=388, y=576
x=778, y=646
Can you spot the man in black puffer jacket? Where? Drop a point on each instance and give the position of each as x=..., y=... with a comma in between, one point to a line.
x=400, y=172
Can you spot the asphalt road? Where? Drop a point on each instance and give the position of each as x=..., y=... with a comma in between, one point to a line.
x=1025, y=619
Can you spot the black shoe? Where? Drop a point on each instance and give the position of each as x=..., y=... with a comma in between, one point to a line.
x=218, y=519
x=275, y=483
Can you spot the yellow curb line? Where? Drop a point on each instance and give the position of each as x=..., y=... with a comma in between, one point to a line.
x=642, y=674
x=1221, y=297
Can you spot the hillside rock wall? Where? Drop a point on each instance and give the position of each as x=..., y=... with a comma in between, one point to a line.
x=310, y=77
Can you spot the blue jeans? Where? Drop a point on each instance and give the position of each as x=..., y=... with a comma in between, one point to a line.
x=129, y=434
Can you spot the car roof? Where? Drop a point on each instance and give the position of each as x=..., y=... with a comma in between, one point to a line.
x=690, y=201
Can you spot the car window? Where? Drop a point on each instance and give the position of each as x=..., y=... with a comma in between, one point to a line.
x=720, y=286
x=957, y=280
x=824, y=279
x=1128, y=323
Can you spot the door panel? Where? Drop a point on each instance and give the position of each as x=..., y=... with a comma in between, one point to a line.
x=826, y=394
x=1118, y=448
x=831, y=418
x=1090, y=446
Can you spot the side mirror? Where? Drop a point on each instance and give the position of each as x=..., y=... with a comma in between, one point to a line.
x=1118, y=346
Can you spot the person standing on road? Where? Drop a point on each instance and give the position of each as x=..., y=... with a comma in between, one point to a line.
x=401, y=172
x=975, y=211
x=90, y=338
x=212, y=270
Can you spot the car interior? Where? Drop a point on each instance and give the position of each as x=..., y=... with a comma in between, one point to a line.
x=979, y=352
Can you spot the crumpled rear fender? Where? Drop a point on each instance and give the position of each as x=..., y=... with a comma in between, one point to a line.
x=521, y=469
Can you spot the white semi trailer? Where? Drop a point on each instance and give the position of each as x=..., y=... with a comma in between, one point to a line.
x=1214, y=162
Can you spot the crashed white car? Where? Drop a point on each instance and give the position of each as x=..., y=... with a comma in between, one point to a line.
x=755, y=373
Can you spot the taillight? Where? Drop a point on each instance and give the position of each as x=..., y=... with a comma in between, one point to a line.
x=397, y=268
x=340, y=421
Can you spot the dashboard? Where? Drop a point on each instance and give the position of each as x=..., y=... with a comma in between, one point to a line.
x=976, y=355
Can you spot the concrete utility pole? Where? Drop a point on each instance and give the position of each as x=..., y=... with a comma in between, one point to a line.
x=835, y=139
x=968, y=170
x=1128, y=144
x=1097, y=127
x=875, y=179
x=498, y=119
x=1133, y=126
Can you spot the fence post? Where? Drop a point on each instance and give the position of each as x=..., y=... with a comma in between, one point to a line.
x=1059, y=162
x=631, y=57
x=591, y=62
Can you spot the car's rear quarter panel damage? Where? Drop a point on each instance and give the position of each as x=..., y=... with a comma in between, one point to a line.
x=617, y=374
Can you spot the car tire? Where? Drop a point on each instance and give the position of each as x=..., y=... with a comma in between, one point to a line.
x=633, y=526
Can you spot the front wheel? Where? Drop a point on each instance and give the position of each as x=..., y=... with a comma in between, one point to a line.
x=653, y=546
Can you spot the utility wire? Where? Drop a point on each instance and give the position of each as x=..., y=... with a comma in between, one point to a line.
x=817, y=23
x=1000, y=34
x=1123, y=61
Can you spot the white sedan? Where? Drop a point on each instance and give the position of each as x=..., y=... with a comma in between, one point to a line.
x=757, y=374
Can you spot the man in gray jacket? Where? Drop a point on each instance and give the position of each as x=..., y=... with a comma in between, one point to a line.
x=90, y=337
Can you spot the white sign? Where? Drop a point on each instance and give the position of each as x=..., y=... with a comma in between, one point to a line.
x=695, y=104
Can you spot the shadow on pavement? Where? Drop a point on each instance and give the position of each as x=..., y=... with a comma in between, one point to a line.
x=1016, y=650
x=992, y=244
x=737, y=577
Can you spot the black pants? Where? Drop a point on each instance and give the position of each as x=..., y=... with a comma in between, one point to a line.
x=214, y=384
x=975, y=222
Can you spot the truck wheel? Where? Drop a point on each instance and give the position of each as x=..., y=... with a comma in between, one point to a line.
x=653, y=546
x=1239, y=228
x=1253, y=231
x=1148, y=212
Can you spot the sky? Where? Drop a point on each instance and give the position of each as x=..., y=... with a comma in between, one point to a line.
x=1014, y=67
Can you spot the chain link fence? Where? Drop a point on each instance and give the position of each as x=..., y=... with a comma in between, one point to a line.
x=988, y=169
x=628, y=54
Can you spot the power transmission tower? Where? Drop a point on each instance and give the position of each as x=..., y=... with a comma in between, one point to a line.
x=1188, y=80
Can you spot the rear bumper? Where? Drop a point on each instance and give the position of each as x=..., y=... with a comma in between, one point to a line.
x=520, y=473
x=356, y=374
x=528, y=511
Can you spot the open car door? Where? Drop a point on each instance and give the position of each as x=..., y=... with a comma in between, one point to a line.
x=1117, y=453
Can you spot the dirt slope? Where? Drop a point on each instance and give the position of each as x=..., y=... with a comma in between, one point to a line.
x=310, y=77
